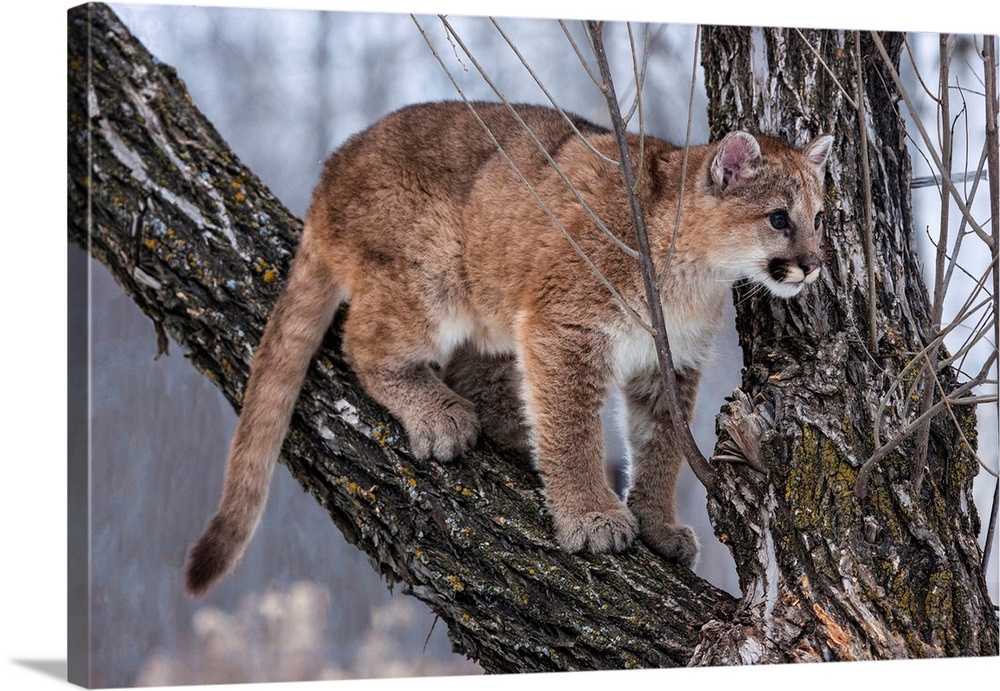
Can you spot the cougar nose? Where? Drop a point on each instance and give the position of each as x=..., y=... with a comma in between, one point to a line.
x=809, y=267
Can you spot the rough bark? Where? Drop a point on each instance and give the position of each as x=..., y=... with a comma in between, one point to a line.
x=828, y=574
x=203, y=247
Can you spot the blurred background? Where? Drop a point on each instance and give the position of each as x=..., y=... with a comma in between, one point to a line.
x=285, y=88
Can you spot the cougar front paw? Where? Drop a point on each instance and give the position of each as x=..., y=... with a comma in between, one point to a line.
x=676, y=543
x=445, y=430
x=609, y=530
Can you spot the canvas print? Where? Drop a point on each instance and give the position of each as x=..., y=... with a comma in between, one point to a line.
x=582, y=345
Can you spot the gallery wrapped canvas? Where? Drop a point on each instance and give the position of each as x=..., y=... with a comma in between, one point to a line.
x=841, y=488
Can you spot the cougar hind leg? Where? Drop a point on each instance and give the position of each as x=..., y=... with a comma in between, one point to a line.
x=492, y=383
x=391, y=350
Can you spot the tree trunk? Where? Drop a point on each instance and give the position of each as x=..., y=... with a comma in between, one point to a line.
x=828, y=572
x=203, y=247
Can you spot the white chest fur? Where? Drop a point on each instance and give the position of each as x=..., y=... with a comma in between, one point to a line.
x=690, y=333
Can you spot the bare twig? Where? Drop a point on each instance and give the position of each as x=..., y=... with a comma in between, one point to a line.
x=931, y=180
x=684, y=160
x=977, y=334
x=944, y=105
x=638, y=72
x=548, y=95
x=583, y=60
x=867, y=182
x=826, y=67
x=945, y=173
x=548, y=211
x=861, y=484
x=928, y=377
x=702, y=470
x=916, y=71
x=541, y=147
x=638, y=75
x=979, y=174
x=991, y=531
x=993, y=156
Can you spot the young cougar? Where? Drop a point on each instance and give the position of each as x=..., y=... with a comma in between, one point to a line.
x=425, y=228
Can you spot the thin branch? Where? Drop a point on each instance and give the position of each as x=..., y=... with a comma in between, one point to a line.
x=829, y=71
x=538, y=144
x=916, y=70
x=583, y=60
x=702, y=470
x=867, y=185
x=637, y=103
x=991, y=531
x=929, y=378
x=517, y=171
x=861, y=484
x=937, y=304
x=974, y=400
x=993, y=156
x=960, y=235
x=978, y=334
x=638, y=71
x=524, y=63
x=990, y=87
x=931, y=180
x=929, y=143
x=684, y=161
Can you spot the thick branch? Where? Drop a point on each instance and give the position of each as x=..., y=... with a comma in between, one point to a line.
x=202, y=247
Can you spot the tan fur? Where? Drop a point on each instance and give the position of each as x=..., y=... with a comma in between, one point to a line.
x=440, y=249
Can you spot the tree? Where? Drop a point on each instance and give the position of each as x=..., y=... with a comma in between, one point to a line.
x=202, y=246
x=879, y=565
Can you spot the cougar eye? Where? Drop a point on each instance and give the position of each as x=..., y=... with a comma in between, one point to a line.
x=818, y=220
x=778, y=219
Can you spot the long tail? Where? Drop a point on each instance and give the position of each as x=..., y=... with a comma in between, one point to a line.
x=293, y=334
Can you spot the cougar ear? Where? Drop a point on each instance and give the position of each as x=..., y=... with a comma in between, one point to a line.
x=738, y=152
x=818, y=150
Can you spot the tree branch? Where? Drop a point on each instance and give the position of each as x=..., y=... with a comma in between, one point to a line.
x=202, y=246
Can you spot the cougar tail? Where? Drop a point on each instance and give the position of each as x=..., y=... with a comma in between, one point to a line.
x=292, y=335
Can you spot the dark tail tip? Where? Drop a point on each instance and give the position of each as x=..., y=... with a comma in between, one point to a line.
x=211, y=558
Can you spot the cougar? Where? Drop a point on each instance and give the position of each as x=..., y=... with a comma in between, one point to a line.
x=467, y=259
